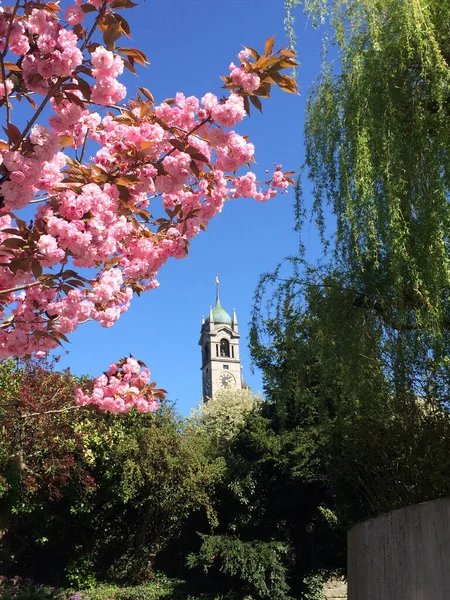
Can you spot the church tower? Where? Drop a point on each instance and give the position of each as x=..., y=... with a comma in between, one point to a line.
x=219, y=340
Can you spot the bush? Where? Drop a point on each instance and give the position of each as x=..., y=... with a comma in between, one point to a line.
x=244, y=569
x=160, y=588
x=23, y=589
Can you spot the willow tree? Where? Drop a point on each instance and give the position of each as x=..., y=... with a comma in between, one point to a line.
x=377, y=143
x=377, y=138
x=373, y=320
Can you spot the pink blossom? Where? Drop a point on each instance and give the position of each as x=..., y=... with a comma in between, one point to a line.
x=74, y=15
x=229, y=113
x=244, y=54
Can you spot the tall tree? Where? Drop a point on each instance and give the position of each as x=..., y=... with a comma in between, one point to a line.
x=93, y=243
x=377, y=137
x=355, y=350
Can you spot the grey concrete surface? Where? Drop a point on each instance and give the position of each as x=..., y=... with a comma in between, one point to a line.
x=402, y=555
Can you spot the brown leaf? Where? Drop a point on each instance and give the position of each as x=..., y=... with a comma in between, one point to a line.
x=87, y=8
x=18, y=264
x=247, y=105
x=112, y=34
x=288, y=52
x=147, y=93
x=36, y=268
x=194, y=168
x=253, y=52
x=74, y=99
x=79, y=31
x=263, y=90
x=84, y=87
x=124, y=25
x=198, y=156
x=135, y=54
x=145, y=109
x=265, y=63
x=129, y=65
x=287, y=84
x=66, y=140
x=14, y=243
x=122, y=4
x=178, y=144
x=268, y=46
x=13, y=133
x=127, y=180
x=256, y=102
x=11, y=231
x=11, y=66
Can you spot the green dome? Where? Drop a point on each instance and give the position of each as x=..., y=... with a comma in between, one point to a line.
x=220, y=315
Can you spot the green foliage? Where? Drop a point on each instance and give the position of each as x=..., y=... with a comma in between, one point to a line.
x=160, y=475
x=80, y=572
x=18, y=589
x=160, y=588
x=246, y=569
x=366, y=336
x=223, y=416
x=377, y=135
x=94, y=496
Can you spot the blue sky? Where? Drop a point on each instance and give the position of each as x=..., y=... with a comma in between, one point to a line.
x=190, y=44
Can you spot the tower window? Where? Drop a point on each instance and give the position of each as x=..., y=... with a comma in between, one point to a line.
x=232, y=351
x=224, y=347
x=225, y=366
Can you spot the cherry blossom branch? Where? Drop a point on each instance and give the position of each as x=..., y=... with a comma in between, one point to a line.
x=50, y=412
x=5, y=88
x=24, y=286
x=100, y=15
x=8, y=32
x=2, y=58
x=34, y=118
x=83, y=149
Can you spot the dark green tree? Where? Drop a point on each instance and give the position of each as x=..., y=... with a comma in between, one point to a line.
x=86, y=495
x=354, y=352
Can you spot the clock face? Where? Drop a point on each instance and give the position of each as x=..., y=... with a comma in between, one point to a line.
x=226, y=381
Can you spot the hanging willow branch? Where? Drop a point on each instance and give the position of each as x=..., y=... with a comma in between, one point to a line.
x=377, y=146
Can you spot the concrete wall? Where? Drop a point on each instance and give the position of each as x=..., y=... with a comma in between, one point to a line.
x=403, y=555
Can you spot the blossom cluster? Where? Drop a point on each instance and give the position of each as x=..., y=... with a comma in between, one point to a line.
x=93, y=242
x=125, y=385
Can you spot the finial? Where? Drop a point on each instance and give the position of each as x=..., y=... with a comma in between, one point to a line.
x=217, y=288
x=211, y=318
x=203, y=319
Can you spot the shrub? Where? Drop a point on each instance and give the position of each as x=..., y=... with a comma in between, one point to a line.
x=23, y=589
x=160, y=588
x=244, y=569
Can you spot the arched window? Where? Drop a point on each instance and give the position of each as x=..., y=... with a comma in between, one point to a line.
x=224, y=347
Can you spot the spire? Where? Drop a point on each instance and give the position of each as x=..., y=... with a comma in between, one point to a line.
x=235, y=321
x=217, y=289
x=218, y=314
